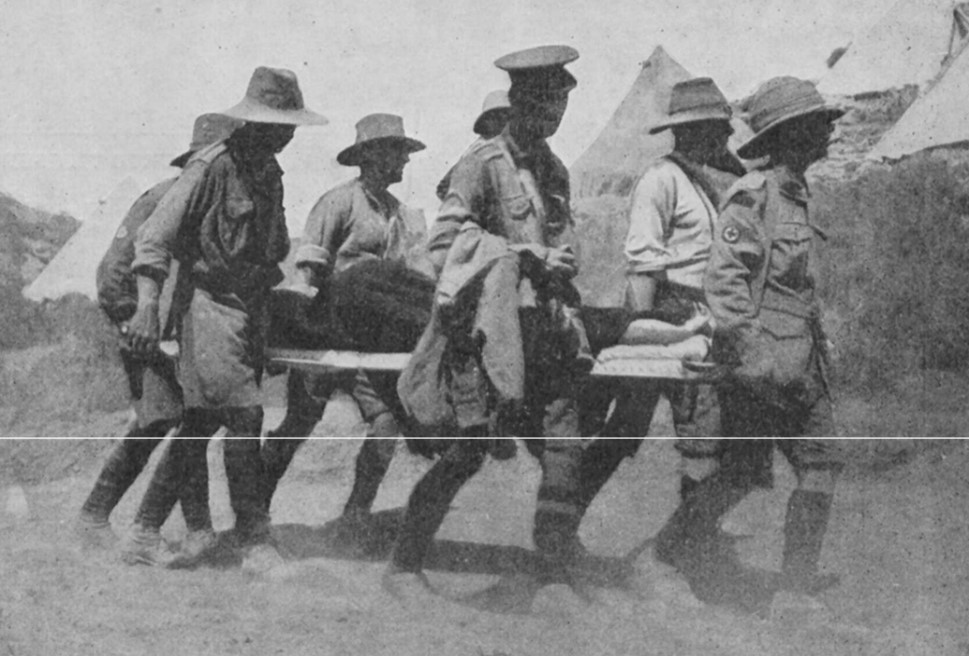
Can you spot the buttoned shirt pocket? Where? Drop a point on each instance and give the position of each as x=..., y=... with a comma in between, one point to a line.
x=790, y=254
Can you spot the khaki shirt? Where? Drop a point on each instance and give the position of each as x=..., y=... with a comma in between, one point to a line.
x=521, y=196
x=350, y=223
x=117, y=287
x=760, y=282
x=222, y=220
x=671, y=226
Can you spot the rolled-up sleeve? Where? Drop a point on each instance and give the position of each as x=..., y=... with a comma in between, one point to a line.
x=157, y=237
x=324, y=231
x=653, y=204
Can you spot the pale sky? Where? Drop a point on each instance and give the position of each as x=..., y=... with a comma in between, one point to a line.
x=96, y=90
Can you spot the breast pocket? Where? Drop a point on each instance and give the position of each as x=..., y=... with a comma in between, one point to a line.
x=790, y=254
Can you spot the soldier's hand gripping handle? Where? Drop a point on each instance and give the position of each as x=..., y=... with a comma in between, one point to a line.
x=143, y=329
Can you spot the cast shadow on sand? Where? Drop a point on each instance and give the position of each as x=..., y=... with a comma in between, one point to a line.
x=521, y=572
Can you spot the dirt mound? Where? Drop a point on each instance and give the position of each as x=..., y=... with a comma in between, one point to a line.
x=29, y=239
x=77, y=373
x=863, y=125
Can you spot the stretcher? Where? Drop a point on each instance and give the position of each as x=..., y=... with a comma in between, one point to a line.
x=661, y=363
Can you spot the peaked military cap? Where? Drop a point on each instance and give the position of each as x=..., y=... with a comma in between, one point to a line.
x=540, y=69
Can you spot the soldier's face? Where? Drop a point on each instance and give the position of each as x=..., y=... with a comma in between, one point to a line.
x=704, y=140
x=268, y=138
x=810, y=136
x=542, y=114
x=388, y=162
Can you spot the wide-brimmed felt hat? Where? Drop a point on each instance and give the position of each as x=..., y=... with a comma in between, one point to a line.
x=375, y=130
x=209, y=129
x=778, y=101
x=695, y=101
x=273, y=96
x=541, y=69
x=495, y=103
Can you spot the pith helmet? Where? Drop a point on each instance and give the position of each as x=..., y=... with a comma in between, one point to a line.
x=778, y=101
x=273, y=96
x=375, y=129
x=209, y=129
x=495, y=104
x=693, y=101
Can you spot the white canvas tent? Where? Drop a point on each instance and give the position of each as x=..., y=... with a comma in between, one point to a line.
x=74, y=267
x=909, y=45
x=622, y=151
x=940, y=117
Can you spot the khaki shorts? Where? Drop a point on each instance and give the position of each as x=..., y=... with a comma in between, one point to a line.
x=222, y=340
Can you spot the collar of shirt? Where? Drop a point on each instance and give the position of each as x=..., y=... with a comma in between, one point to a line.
x=382, y=201
x=793, y=187
x=526, y=158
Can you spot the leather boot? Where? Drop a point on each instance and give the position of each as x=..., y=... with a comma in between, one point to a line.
x=691, y=542
x=694, y=526
x=372, y=464
x=804, y=528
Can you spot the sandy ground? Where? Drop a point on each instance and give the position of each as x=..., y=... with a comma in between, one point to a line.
x=898, y=536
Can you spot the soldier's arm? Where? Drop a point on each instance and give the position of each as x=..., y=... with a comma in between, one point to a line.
x=323, y=235
x=736, y=257
x=645, y=248
x=154, y=248
x=461, y=203
x=117, y=294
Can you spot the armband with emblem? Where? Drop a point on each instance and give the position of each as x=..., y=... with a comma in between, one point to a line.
x=730, y=234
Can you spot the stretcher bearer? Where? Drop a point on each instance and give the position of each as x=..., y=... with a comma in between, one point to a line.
x=155, y=392
x=760, y=287
x=672, y=223
x=224, y=221
x=503, y=242
x=357, y=221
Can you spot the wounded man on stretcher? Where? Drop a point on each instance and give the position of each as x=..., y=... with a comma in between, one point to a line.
x=383, y=307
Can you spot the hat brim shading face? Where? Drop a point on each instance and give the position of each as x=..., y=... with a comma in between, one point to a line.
x=754, y=147
x=689, y=118
x=253, y=112
x=352, y=155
